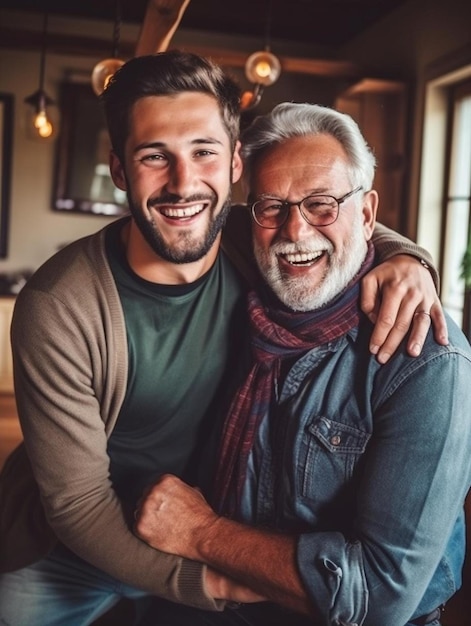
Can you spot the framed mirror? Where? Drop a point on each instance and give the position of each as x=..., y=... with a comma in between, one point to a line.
x=6, y=148
x=82, y=178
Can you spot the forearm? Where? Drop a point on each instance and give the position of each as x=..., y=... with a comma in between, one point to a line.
x=175, y=518
x=264, y=561
x=161, y=20
x=389, y=243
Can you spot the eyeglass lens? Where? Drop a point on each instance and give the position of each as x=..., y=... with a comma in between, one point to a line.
x=317, y=210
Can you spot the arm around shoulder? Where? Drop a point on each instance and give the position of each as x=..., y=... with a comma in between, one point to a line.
x=389, y=243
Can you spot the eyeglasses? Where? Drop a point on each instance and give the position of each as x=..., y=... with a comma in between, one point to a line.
x=317, y=210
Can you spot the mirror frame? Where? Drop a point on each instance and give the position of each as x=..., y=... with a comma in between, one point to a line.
x=6, y=158
x=82, y=121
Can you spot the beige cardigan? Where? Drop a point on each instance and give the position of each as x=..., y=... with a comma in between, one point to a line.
x=68, y=333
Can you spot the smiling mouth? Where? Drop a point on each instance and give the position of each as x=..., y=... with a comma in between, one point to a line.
x=302, y=258
x=176, y=213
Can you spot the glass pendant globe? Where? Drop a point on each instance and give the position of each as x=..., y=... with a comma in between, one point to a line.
x=262, y=68
x=102, y=72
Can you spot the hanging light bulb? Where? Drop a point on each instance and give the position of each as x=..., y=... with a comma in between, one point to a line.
x=104, y=70
x=39, y=100
x=40, y=119
x=102, y=73
x=262, y=69
x=250, y=99
x=45, y=129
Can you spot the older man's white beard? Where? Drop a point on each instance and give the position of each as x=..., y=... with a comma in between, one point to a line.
x=298, y=293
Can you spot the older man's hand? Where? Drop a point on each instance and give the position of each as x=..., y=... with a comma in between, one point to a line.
x=174, y=517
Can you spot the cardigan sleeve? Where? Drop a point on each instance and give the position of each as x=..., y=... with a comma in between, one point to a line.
x=68, y=352
x=388, y=243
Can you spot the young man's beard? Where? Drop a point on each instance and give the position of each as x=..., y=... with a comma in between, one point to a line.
x=188, y=250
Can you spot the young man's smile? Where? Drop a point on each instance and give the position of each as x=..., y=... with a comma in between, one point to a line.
x=178, y=172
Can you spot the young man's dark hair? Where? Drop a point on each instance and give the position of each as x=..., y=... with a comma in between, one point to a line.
x=165, y=74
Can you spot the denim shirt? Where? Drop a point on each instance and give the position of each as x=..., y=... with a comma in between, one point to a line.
x=369, y=465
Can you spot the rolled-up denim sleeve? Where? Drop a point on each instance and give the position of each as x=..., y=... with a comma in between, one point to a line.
x=416, y=473
x=339, y=586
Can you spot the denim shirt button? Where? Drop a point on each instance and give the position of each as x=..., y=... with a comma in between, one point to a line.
x=335, y=440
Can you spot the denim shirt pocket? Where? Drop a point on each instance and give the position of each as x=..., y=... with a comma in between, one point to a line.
x=329, y=454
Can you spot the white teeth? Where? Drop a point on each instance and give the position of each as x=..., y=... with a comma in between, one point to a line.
x=183, y=212
x=304, y=257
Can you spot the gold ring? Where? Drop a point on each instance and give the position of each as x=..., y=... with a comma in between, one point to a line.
x=423, y=313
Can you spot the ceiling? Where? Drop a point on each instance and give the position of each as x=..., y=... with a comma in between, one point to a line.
x=318, y=22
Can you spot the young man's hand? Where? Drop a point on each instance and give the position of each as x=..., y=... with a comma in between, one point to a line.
x=222, y=587
x=397, y=296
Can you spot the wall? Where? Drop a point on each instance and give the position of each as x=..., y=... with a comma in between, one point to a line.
x=415, y=35
x=418, y=40
x=411, y=39
x=35, y=230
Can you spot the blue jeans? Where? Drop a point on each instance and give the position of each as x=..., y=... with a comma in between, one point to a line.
x=61, y=590
x=260, y=614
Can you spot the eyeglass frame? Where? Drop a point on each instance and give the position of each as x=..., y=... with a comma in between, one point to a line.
x=288, y=205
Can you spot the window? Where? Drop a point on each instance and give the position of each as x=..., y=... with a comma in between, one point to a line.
x=444, y=215
x=457, y=202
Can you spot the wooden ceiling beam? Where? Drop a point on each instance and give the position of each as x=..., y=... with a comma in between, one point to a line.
x=160, y=22
x=99, y=48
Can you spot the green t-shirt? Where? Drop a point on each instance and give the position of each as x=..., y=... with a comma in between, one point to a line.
x=183, y=347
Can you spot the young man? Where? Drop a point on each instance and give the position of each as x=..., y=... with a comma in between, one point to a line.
x=124, y=343
x=345, y=479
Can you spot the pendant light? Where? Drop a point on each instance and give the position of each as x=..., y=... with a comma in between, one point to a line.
x=104, y=70
x=39, y=100
x=262, y=69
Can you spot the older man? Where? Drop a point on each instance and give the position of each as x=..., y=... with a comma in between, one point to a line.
x=344, y=478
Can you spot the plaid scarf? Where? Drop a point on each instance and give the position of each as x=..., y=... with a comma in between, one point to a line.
x=282, y=335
